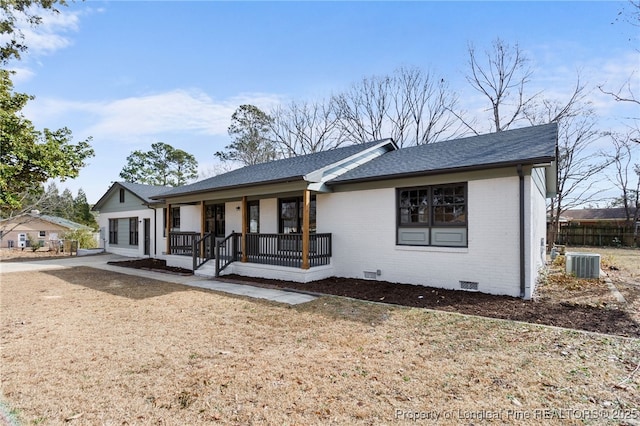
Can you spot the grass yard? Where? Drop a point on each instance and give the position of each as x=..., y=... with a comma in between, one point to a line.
x=88, y=347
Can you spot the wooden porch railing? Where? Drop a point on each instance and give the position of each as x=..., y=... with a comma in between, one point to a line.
x=203, y=250
x=286, y=249
x=227, y=251
x=181, y=243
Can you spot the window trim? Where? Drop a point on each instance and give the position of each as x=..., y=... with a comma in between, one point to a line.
x=175, y=218
x=42, y=234
x=431, y=224
x=113, y=231
x=122, y=195
x=299, y=207
x=133, y=231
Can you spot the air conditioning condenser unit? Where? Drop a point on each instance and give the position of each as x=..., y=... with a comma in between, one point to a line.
x=583, y=265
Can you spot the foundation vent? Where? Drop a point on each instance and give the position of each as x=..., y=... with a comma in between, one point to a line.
x=370, y=275
x=468, y=285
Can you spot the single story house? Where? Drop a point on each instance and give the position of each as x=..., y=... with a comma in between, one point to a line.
x=461, y=214
x=46, y=229
x=126, y=211
x=599, y=227
x=614, y=216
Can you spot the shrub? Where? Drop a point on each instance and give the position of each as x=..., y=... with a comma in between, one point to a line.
x=84, y=237
x=34, y=244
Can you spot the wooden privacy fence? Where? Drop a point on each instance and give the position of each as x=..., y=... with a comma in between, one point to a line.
x=598, y=236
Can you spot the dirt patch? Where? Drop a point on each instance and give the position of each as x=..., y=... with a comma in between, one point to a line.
x=19, y=255
x=561, y=311
x=562, y=301
x=82, y=346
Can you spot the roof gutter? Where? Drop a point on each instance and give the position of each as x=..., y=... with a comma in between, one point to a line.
x=166, y=196
x=522, y=236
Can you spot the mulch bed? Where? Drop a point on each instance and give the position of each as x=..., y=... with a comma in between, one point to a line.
x=602, y=319
x=151, y=264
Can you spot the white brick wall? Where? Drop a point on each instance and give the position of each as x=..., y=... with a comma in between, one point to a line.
x=363, y=224
x=536, y=232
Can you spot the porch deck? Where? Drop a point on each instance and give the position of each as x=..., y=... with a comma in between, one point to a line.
x=265, y=249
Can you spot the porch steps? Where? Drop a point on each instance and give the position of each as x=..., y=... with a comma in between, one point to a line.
x=207, y=270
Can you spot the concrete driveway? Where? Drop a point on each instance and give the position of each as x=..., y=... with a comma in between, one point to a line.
x=100, y=262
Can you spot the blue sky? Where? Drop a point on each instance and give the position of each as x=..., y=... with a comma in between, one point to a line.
x=133, y=73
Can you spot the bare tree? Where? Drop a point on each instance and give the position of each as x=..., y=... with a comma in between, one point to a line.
x=625, y=92
x=501, y=76
x=46, y=201
x=429, y=103
x=410, y=106
x=305, y=127
x=629, y=186
x=578, y=163
x=362, y=110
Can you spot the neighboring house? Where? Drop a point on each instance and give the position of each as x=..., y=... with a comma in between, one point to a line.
x=130, y=221
x=461, y=214
x=599, y=227
x=615, y=216
x=47, y=230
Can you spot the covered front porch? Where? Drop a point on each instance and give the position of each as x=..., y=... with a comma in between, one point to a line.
x=212, y=249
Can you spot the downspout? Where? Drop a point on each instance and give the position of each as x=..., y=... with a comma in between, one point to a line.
x=155, y=233
x=522, y=236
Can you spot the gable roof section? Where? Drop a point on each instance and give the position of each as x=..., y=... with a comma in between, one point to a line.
x=285, y=170
x=143, y=192
x=56, y=220
x=615, y=213
x=529, y=145
x=66, y=223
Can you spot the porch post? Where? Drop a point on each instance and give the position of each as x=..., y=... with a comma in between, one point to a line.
x=202, y=221
x=306, y=205
x=245, y=227
x=168, y=228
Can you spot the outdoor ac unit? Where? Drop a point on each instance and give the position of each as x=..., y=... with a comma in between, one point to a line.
x=583, y=265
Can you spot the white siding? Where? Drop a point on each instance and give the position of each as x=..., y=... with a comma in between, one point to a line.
x=190, y=218
x=123, y=248
x=536, y=232
x=233, y=217
x=269, y=216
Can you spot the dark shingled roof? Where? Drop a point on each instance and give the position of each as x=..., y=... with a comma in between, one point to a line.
x=287, y=169
x=146, y=192
x=528, y=145
x=615, y=213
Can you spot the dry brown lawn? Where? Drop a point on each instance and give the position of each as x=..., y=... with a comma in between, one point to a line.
x=88, y=347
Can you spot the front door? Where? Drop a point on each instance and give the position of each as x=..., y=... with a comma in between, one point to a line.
x=215, y=220
x=147, y=237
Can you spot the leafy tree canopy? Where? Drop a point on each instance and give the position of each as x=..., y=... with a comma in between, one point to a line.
x=28, y=157
x=11, y=11
x=250, y=127
x=162, y=165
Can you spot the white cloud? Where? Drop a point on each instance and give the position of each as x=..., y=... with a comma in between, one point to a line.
x=133, y=119
x=52, y=32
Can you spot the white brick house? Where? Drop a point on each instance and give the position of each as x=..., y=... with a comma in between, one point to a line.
x=463, y=214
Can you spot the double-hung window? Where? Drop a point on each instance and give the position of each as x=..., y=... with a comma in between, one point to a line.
x=290, y=217
x=434, y=215
x=290, y=221
x=133, y=231
x=175, y=218
x=113, y=231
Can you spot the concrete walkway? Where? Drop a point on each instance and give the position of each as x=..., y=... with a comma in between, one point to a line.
x=100, y=262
